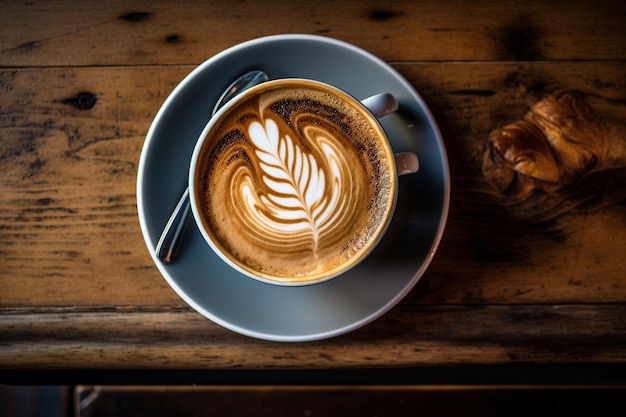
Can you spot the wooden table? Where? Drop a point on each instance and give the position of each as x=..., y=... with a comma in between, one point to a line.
x=516, y=285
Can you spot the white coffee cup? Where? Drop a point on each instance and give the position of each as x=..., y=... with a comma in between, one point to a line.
x=252, y=208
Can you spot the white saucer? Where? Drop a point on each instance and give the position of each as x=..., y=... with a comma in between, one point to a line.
x=317, y=311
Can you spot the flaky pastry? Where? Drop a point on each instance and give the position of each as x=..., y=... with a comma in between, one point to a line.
x=559, y=140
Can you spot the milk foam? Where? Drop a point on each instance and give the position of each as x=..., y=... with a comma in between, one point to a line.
x=294, y=199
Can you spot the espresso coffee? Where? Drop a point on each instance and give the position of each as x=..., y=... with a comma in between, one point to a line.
x=295, y=182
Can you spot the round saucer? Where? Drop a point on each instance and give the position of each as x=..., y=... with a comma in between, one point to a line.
x=317, y=311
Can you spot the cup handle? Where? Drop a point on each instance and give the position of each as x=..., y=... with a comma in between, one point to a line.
x=406, y=163
x=381, y=105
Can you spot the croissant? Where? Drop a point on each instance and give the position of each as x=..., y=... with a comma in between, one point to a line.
x=559, y=140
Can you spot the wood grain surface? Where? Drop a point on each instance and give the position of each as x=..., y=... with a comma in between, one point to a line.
x=537, y=281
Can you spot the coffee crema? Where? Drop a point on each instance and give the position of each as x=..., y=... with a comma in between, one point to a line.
x=294, y=183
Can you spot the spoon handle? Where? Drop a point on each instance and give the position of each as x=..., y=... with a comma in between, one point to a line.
x=168, y=242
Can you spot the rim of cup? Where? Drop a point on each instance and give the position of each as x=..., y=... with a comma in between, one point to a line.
x=269, y=278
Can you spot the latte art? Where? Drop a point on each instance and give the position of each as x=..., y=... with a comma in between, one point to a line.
x=295, y=201
x=294, y=184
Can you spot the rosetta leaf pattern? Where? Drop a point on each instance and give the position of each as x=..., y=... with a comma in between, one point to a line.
x=294, y=179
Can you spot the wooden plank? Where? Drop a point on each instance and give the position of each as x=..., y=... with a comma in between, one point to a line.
x=60, y=33
x=19, y=401
x=68, y=180
x=72, y=173
x=70, y=339
x=346, y=401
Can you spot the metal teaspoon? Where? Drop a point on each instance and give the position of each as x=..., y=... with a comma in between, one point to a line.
x=167, y=246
